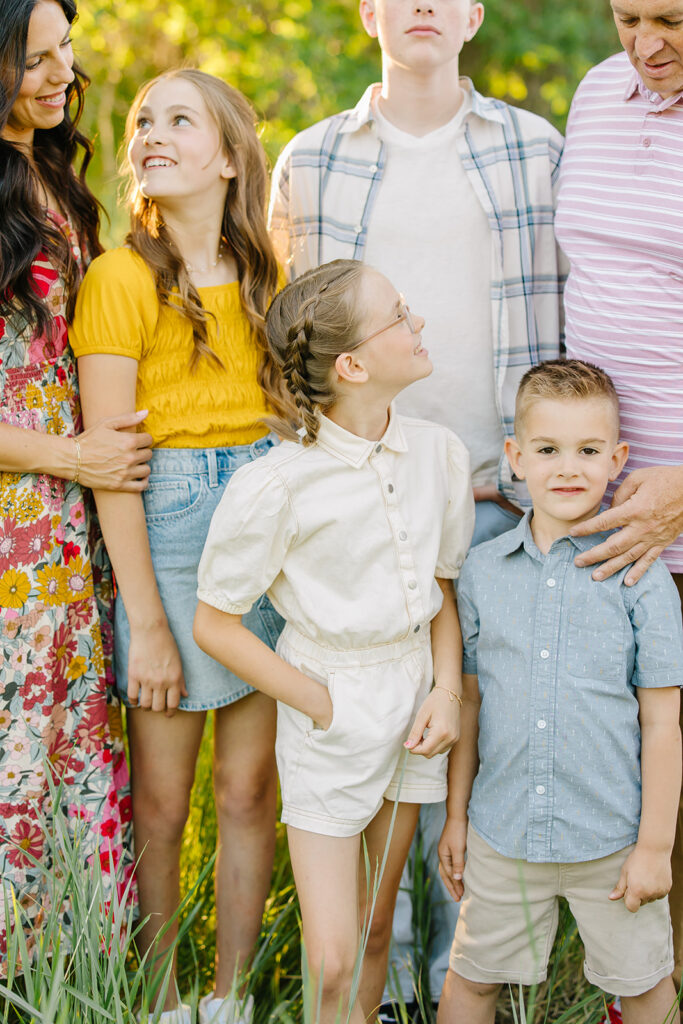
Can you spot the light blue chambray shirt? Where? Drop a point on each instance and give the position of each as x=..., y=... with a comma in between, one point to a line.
x=558, y=656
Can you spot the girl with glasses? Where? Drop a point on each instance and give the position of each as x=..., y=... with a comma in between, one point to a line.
x=356, y=530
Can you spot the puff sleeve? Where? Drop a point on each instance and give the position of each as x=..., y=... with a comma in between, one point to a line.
x=250, y=534
x=117, y=307
x=458, y=524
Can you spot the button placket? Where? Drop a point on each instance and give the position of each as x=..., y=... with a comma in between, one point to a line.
x=404, y=555
x=543, y=695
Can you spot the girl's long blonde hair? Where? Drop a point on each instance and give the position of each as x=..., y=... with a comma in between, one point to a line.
x=243, y=229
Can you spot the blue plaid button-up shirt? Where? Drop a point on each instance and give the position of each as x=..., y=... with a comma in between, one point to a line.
x=559, y=657
x=325, y=184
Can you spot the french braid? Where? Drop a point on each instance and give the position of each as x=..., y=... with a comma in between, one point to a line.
x=311, y=322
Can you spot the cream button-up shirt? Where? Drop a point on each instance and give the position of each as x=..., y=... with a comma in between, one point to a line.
x=346, y=536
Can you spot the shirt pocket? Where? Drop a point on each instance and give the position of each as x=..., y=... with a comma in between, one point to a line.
x=596, y=638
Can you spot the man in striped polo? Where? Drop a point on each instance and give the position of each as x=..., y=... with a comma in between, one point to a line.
x=451, y=195
x=620, y=222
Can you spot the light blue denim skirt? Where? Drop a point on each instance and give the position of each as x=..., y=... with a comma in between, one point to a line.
x=185, y=486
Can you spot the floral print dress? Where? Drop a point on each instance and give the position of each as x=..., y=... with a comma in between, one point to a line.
x=59, y=714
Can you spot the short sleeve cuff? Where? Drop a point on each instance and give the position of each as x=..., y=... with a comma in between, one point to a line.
x=222, y=604
x=469, y=665
x=656, y=682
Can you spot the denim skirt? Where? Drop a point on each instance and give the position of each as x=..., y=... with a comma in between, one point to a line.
x=185, y=486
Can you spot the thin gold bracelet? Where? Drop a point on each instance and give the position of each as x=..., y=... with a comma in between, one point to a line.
x=452, y=695
x=78, y=460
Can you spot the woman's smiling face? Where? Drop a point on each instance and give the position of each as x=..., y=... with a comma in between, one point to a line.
x=49, y=59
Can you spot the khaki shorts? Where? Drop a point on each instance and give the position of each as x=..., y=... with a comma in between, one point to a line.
x=334, y=781
x=509, y=915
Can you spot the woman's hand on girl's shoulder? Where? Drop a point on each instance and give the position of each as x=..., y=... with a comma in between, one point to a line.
x=155, y=672
x=113, y=456
x=441, y=717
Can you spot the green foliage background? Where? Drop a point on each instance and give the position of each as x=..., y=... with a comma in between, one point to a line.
x=300, y=60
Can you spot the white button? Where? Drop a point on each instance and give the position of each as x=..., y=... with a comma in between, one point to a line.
x=403, y=535
x=378, y=448
x=359, y=228
x=545, y=654
x=551, y=582
x=541, y=723
x=373, y=168
x=458, y=563
x=390, y=488
x=540, y=790
x=411, y=585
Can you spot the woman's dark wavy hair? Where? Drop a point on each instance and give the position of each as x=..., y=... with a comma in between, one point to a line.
x=24, y=229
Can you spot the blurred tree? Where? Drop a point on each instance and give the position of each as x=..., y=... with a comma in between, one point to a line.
x=300, y=60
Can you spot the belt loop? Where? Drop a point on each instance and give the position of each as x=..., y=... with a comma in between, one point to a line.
x=212, y=463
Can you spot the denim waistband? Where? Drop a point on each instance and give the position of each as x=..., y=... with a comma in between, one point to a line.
x=208, y=461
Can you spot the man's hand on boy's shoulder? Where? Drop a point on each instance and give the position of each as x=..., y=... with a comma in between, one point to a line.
x=647, y=512
x=452, y=846
x=645, y=877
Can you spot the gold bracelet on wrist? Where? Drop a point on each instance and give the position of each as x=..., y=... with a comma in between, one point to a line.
x=78, y=460
x=452, y=695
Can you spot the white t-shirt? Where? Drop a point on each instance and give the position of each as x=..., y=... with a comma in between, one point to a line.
x=431, y=238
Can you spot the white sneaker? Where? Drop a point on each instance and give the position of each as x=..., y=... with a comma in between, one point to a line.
x=179, y=1015
x=230, y=1010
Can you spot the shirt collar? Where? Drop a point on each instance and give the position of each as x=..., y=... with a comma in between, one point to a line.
x=637, y=85
x=356, y=450
x=362, y=114
x=521, y=536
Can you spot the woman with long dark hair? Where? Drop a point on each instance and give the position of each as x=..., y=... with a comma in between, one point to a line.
x=58, y=708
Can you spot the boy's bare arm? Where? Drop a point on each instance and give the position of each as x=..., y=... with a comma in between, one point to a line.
x=440, y=711
x=646, y=874
x=463, y=765
x=224, y=638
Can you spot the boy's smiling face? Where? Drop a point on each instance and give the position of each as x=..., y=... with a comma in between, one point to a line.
x=567, y=450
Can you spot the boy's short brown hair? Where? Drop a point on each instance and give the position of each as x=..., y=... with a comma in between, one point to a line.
x=563, y=379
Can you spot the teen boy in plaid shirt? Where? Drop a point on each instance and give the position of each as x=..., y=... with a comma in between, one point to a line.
x=452, y=196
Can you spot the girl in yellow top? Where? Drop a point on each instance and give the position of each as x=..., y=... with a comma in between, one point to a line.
x=173, y=323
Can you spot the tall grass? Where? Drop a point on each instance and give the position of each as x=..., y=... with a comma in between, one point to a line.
x=100, y=978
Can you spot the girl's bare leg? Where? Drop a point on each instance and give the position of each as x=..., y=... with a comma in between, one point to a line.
x=326, y=875
x=245, y=786
x=163, y=757
x=377, y=951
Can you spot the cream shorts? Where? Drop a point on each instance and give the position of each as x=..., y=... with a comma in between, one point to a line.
x=334, y=780
x=509, y=915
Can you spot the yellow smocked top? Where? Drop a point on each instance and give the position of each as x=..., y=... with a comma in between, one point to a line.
x=118, y=313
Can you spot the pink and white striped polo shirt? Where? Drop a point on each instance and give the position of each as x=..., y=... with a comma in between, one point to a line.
x=620, y=222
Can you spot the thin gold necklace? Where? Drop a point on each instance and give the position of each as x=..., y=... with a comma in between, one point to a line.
x=211, y=266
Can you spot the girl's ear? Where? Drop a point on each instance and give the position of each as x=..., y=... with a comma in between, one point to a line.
x=514, y=456
x=619, y=457
x=350, y=369
x=228, y=169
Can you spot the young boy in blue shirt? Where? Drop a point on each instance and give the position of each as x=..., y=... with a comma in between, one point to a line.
x=566, y=778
